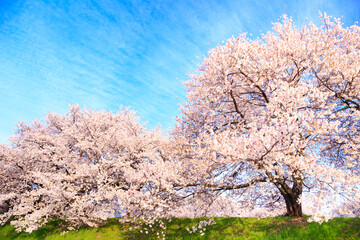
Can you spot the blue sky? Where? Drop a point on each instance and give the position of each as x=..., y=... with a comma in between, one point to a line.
x=104, y=54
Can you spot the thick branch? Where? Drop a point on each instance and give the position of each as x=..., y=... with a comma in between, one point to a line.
x=252, y=81
x=217, y=187
x=235, y=104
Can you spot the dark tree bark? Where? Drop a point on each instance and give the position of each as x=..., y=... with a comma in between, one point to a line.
x=4, y=207
x=292, y=197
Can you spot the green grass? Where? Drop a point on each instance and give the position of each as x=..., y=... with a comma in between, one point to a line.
x=225, y=228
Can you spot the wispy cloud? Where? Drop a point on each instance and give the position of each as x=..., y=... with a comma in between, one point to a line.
x=133, y=53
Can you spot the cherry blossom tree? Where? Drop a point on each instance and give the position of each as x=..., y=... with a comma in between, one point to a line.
x=276, y=119
x=82, y=167
x=12, y=178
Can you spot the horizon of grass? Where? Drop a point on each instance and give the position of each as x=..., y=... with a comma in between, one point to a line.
x=273, y=228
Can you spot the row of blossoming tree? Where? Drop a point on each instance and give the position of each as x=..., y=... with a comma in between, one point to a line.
x=268, y=122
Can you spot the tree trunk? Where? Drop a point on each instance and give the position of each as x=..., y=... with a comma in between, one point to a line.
x=293, y=206
x=292, y=197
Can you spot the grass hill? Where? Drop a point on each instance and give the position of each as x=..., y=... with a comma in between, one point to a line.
x=225, y=228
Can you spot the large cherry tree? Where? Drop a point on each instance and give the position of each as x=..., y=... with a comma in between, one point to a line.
x=276, y=117
x=83, y=167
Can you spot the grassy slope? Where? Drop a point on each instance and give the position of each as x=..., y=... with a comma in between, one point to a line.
x=225, y=228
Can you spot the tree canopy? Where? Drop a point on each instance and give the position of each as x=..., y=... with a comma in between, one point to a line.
x=83, y=167
x=278, y=115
